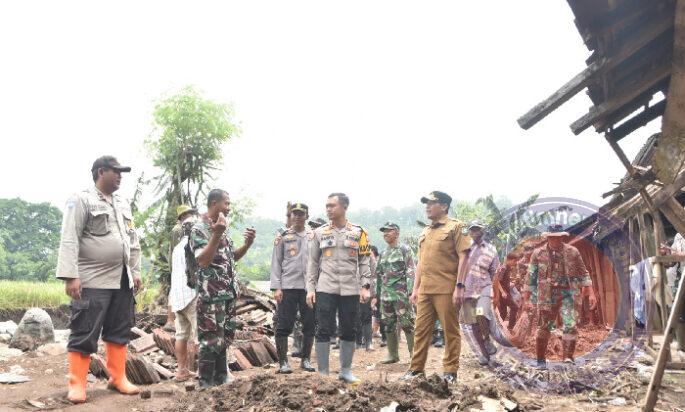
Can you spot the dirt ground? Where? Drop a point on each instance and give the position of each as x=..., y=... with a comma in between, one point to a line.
x=261, y=390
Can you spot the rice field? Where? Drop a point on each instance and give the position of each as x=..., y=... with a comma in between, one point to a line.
x=21, y=295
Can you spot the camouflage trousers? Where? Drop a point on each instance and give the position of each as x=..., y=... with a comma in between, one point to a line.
x=215, y=325
x=397, y=311
x=548, y=312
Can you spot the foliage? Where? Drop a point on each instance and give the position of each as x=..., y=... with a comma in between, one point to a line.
x=29, y=238
x=186, y=145
x=505, y=228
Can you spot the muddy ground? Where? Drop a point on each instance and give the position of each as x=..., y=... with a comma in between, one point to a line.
x=262, y=390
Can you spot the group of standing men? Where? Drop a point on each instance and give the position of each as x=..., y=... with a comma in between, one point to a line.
x=99, y=260
x=323, y=275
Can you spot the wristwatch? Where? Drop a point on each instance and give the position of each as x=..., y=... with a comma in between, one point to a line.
x=460, y=285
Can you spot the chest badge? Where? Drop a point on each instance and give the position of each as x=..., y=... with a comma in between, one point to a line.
x=328, y=253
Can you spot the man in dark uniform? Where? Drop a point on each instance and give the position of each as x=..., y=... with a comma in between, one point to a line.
x=288, y=282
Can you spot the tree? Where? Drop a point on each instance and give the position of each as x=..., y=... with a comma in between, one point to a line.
x=29, y=238
x=186, y=145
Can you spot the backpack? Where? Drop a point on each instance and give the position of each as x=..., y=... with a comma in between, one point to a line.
x=191, y=263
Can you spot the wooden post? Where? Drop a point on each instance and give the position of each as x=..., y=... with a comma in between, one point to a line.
x=655, y=382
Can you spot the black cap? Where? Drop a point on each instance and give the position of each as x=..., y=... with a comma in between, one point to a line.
x=318, y=222
x=436, y=196
x=389, y=226
x=556, y=230
x=299, y=206
x=109, y=162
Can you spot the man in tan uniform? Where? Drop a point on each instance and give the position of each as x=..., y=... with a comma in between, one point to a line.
x=439, y=286
x=99, y=260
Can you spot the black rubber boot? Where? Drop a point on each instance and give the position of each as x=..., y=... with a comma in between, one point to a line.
x=205, y=369
x=282, y=349
x=439, y=339
x=305, y=363
x=221, y=369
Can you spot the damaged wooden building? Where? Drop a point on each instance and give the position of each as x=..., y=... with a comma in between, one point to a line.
x=635, y=74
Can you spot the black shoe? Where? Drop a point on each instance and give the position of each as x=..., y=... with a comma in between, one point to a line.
x=450, y=377
x=542, y=364
x=410, y=374
x=384, y=343
x=297, y=354
x=306, y=365
x=335, y=345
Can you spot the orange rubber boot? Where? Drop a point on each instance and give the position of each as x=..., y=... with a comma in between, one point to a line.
x=79, y=363
x=116, y=365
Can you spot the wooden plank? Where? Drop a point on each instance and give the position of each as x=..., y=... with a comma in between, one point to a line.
x=668, y=259
x=270, y=347
x=595, y=69
x=163, y=372
x=561, y=96
x=143, y=344
x=661, y=195
x=673, y=211
x=652, y=80
x=638, y=121
x=655, y=382
x=261, y=353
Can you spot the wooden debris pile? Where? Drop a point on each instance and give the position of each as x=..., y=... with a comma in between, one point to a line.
x=152, y=352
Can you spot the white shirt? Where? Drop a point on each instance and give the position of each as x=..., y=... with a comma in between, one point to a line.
x=180, y=294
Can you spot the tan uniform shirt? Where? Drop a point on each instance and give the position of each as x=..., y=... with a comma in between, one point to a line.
x=339, y=261
x=439, y=248
x=289, y=260
x=98, y=240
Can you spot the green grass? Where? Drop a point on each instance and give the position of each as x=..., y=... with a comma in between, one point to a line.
x=22, y=295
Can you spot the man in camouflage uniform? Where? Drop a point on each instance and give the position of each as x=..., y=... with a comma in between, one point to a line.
x=216, y=288
x=339, y=278
x=557, y=278
x=395, y=277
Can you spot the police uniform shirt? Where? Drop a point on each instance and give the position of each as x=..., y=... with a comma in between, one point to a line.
x=339, y=261
x=98, y=240
x=289, y=260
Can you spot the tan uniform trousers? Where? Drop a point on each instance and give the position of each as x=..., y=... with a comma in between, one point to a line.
x=428, y=308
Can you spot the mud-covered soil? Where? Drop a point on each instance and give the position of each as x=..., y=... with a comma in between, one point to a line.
x=260, y=389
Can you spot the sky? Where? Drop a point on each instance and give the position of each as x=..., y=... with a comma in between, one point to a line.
x=383, y=100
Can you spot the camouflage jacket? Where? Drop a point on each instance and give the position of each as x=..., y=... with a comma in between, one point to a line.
x=551, y=272
x=215, y=282
x=395, y=273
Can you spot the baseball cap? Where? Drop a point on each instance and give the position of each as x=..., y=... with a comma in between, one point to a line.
x=436, y=196
x=389, y=226
x=109, y=162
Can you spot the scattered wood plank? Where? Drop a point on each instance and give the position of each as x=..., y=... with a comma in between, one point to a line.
x=238, y=361
x=98, y=367
x=270, y=348
x=141, y=371
x=261, y=352
x=138, y=332
x=246, y=308
x=246, y=349
x=144, y=344
x=164, y=341
x=163, y=372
